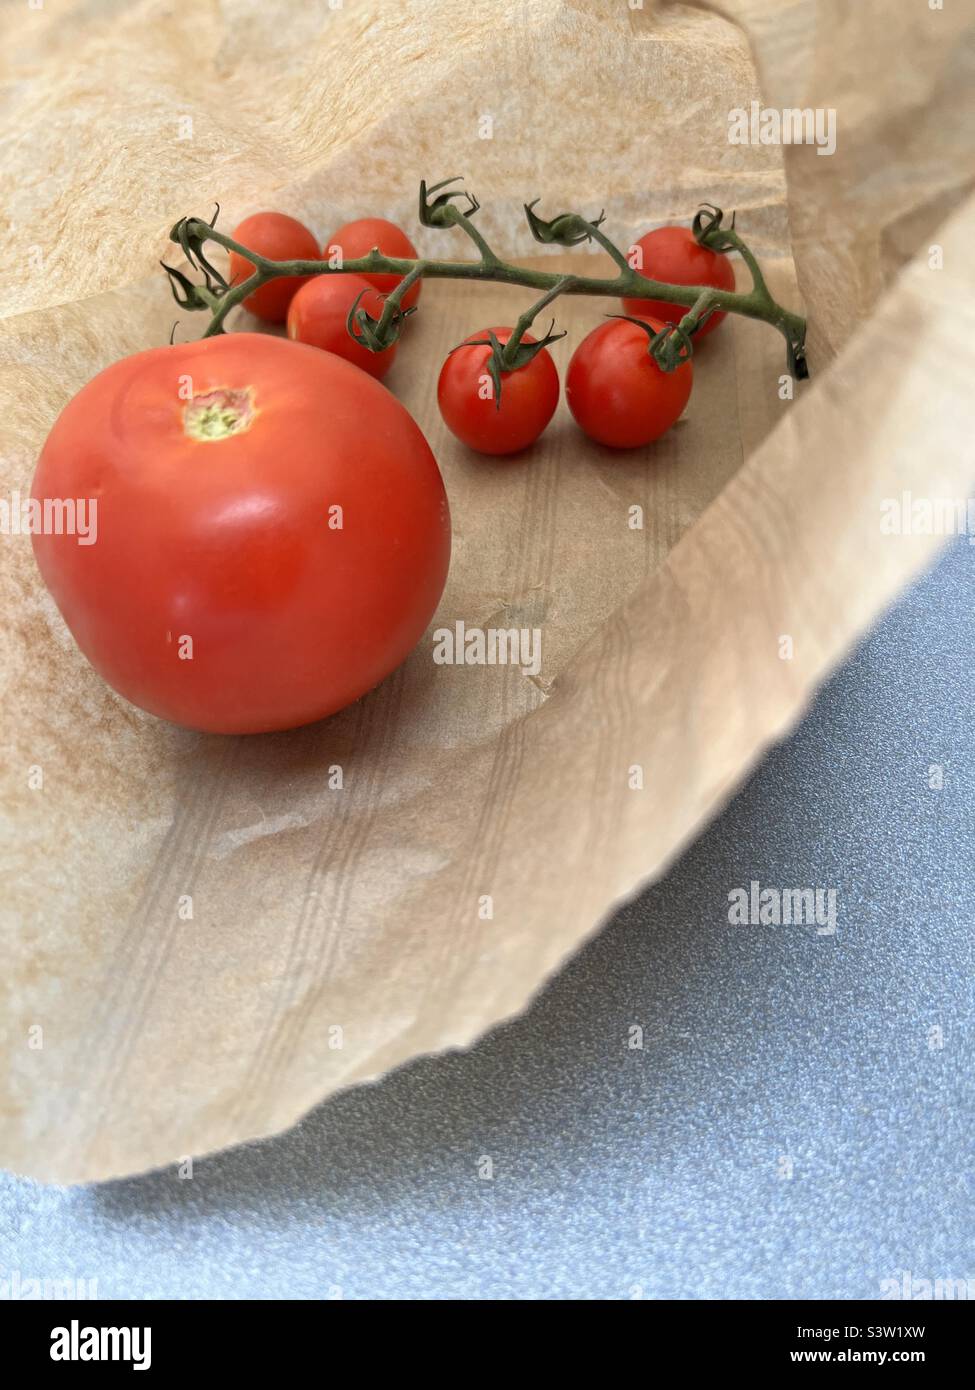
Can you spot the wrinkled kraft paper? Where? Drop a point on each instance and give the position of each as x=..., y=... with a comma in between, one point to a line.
x=336, y=933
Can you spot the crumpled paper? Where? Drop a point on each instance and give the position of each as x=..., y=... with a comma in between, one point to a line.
x=488, y=819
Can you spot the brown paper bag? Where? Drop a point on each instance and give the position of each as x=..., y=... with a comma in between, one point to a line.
x=488, y=820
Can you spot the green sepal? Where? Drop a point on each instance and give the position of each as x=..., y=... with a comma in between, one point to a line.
x=567, y=229
x=178, y=281
x=709, y=232
x=368, y=335
x=497, y=364
x=187, y=235
x=670, y=347
x=527, y=352
x=436, y=213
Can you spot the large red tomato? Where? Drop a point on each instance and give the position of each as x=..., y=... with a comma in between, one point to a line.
x=672, y=255
x=279, y=238
x=272, y=531
x=358, y=238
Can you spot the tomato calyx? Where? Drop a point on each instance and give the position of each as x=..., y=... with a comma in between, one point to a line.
x=670, y=346
x=709, y=232
x=191, y=234
x=566, y=229
x=512, y=356
x=186, y=294
x=371, y=332
x=439, y=212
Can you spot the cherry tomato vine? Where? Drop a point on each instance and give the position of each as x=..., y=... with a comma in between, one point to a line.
x=445, y=205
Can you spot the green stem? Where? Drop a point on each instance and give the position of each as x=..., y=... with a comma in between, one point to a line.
x=510, y=351
x=610, y=247
x=459, y=219
x=695, y=316
x=754, y=269
x=756, y=303
x=394, y=299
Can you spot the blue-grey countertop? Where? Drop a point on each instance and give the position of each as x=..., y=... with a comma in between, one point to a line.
x=661, y=1171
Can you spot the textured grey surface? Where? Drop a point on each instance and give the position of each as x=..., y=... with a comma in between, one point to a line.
x=653, y=1172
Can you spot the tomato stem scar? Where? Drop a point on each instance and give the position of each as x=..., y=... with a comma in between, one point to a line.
x=219, y=414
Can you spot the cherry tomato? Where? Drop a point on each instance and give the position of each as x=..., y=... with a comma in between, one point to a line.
x=671, y=254
x=272, y=531
x=357, y=239
x=466, y=396
x=280, y=238
x=617, y=393
x=319, y=316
